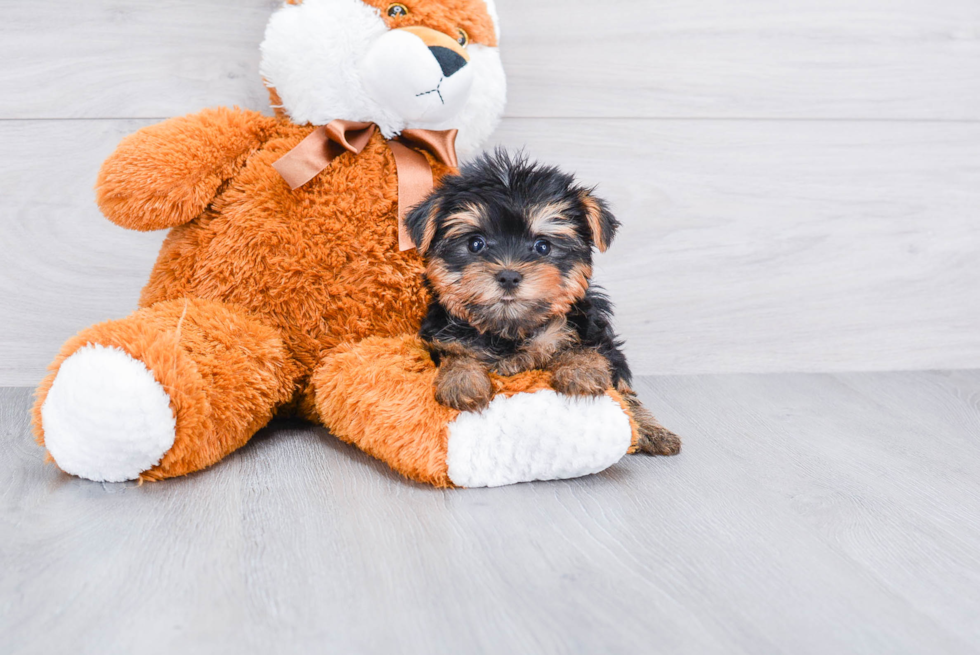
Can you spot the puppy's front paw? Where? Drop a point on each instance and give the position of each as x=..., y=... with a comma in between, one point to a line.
x=463, y=385
x=581, y=373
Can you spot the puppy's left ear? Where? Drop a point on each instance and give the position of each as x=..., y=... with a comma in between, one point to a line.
x=602, y=223
x=421, y=223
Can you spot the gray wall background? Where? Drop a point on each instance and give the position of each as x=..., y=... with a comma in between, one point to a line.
x=799, y=181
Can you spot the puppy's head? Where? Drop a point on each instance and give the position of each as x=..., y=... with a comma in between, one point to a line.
x=508, y=243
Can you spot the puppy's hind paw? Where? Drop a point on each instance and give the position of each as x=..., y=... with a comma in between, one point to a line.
x=652, y=438
x=657, y=440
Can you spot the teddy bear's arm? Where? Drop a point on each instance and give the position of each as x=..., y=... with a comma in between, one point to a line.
x=165, y=175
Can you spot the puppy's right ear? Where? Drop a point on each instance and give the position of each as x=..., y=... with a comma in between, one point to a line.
x=421, y=223
x=602, y=223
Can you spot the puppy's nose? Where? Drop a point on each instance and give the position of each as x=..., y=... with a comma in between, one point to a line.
x=449, y=61
x=509, y=280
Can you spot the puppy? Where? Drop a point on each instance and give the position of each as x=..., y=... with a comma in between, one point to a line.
x=508, y=248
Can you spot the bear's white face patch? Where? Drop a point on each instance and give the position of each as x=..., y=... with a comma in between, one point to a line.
x=400, y=72
x=330, y=59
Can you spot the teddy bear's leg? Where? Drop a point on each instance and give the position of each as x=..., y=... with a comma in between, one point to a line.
x=380, y=395
x=169, y=390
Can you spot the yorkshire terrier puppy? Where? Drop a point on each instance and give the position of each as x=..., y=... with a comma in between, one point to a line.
x=508, y=248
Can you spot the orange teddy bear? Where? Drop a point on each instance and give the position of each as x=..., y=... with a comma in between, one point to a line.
x=282, y=286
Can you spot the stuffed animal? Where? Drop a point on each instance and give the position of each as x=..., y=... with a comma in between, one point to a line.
x=287, y=283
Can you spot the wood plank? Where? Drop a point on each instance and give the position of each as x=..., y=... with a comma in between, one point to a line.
x=111, y=59
x=698, y=58
x=746, y=246
x=786, y=246
x=807, y=514
x=65, y=266
x=762, y=58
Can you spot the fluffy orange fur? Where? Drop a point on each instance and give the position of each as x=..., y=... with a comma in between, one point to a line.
x=257, y=286
x=308, y=269
x=446, y=16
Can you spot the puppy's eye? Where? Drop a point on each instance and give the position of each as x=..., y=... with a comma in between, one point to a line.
x=542, y=247
x=464, y=38
x=476, y=244
x=397, y=10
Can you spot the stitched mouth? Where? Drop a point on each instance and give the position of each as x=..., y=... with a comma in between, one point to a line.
x=437, y=91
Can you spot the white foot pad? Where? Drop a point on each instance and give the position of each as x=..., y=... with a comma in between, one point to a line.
x=106, y=417
x=536, y=436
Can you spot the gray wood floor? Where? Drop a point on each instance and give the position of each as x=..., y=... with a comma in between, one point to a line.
x=807, y=514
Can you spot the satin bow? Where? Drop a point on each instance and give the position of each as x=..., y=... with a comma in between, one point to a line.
x=327, y=142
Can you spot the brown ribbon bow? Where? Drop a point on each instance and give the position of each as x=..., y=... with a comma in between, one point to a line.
x=327, y=142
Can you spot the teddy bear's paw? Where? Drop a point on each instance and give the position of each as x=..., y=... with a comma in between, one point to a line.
x=106, y=418
x=536, y=436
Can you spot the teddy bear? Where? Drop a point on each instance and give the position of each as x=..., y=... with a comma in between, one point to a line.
x=286, y=284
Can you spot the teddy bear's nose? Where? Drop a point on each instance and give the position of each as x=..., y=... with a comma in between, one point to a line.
x=447, y=51
x=449, y=61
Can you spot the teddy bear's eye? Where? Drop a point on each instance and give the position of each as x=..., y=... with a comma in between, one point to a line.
x=397, y=10
x=464, y=38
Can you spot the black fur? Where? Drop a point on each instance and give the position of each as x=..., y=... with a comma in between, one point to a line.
x=505, y=188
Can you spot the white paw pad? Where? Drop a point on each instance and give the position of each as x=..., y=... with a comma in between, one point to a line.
x=106, y=417
x=536, y=436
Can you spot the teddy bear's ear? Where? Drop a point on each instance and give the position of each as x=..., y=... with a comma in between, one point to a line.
x=422, y=223
x=602, y=223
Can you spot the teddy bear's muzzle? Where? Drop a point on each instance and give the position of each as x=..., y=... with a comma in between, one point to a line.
x=450, y=55
x=419, y=74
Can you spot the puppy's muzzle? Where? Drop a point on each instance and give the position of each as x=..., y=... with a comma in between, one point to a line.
x=445, y=49
x=509, y=280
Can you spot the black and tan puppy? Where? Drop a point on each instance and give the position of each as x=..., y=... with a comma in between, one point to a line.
x=508, y=247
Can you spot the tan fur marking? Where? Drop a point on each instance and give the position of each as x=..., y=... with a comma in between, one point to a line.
x=581, y=373
x=476, y=288
x=573, y=289
x=454, y=349
x=430, y=230
x=466, y=221
x=463, y=383
x=548, y=220
x=540, y=349
x=541, y=281
x=652, y=438
x=454, y=292
x=593, y=214
x=479, y=285
x=555, y=336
